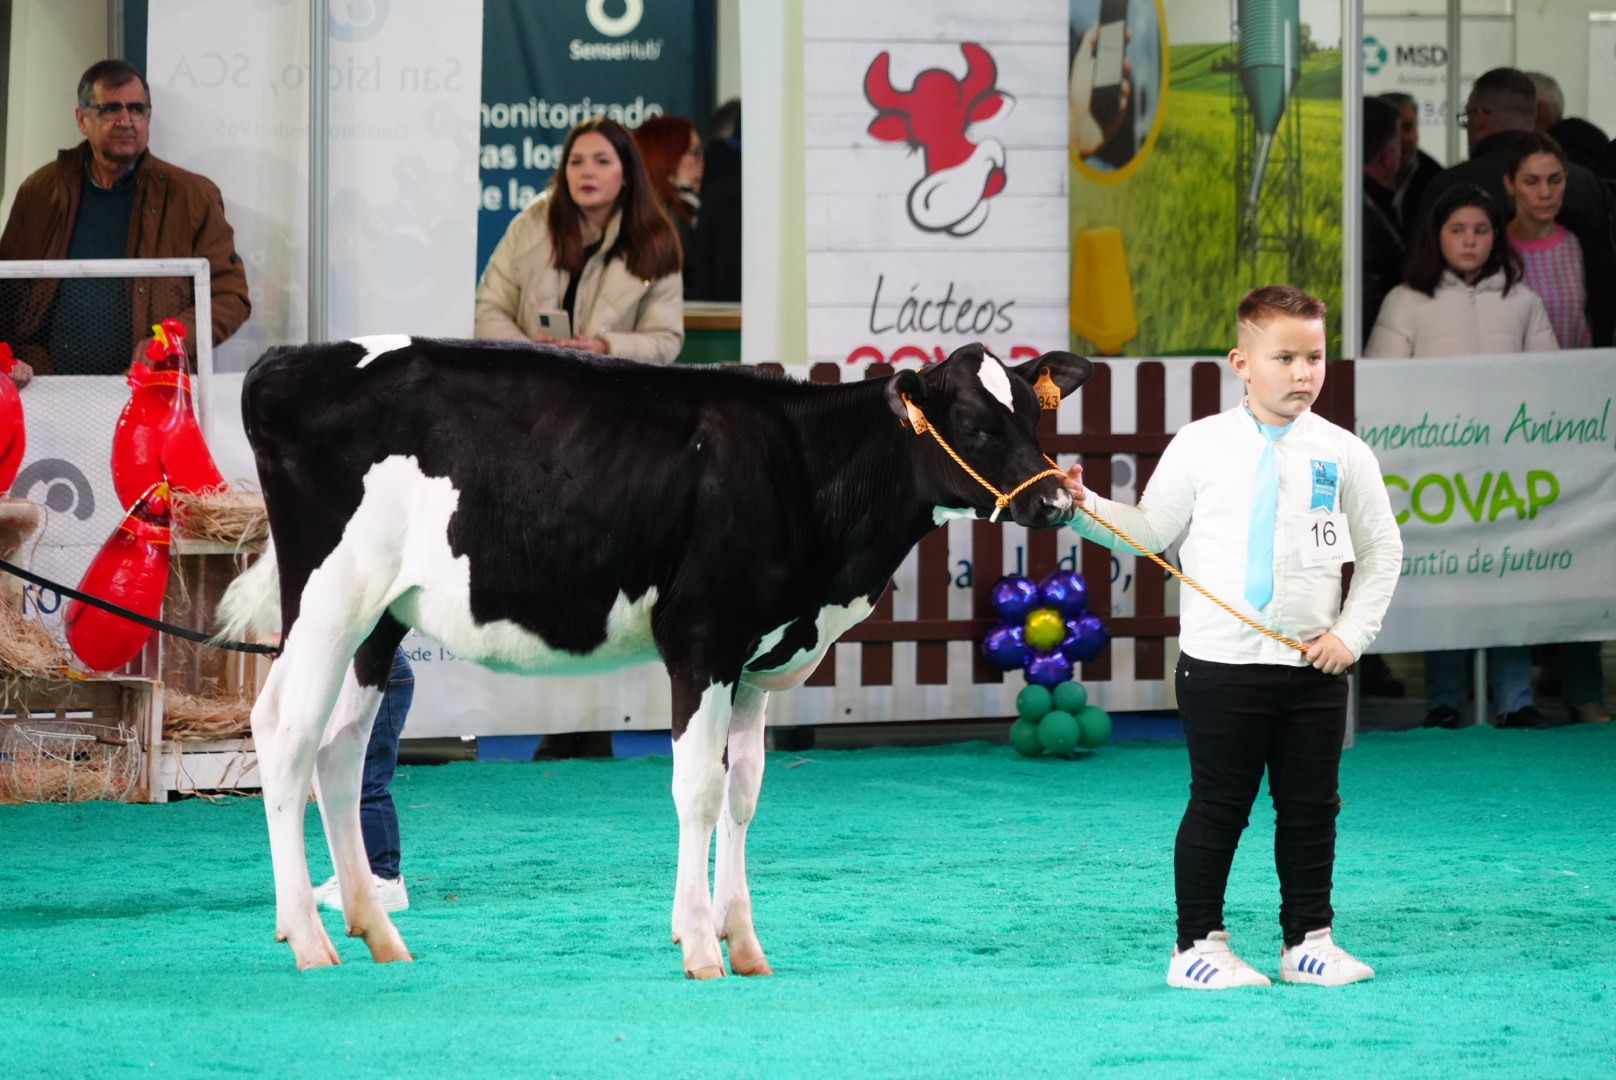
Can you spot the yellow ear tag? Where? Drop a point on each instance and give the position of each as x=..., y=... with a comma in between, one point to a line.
x=917, y=419
x=160, y=334
x=1049, y=395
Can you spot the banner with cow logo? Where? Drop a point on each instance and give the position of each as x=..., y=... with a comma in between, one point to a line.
x=1505, y=493
x=1205, y=149
x=548, y=66
x=935, y=178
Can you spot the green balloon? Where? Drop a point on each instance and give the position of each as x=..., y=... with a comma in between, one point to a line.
x=1024, y=737
x=1095, y=727
x=1033, y=702
x=1045, y=629
x=1058, y=732
x=1071, y=697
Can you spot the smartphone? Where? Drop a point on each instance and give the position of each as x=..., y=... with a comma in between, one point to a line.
x=557, y=324
x=1106, y=97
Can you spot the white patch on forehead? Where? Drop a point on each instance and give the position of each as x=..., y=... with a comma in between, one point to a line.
x=380, y=345
x=996, y=380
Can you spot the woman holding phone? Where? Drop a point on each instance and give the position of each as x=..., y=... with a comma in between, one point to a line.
x=594, y=263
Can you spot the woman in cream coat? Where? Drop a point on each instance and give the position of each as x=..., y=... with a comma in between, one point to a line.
x=596, y=246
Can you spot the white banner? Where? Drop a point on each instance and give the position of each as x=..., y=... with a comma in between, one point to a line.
x=230, y=101
x=1500, y=472
x=1409, y=53
x=936, y=178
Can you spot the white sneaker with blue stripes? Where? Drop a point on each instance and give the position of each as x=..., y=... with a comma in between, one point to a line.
x=1209, y=964
x=1319, y=961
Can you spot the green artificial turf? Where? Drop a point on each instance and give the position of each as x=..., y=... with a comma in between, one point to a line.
x=938, y=912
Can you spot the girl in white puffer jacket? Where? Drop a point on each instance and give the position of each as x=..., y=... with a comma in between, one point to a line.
x=1462, y=295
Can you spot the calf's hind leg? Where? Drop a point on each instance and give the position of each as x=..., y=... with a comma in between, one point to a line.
x=732, y=897
x=288, y=721
x=338, y=779
x=701, y=713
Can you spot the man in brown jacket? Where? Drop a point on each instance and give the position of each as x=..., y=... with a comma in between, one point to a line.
x=109, y=198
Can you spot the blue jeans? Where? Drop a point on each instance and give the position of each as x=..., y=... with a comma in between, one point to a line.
x=378, y=817
x=1509, y=675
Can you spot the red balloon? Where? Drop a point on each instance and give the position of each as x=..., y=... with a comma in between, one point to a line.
x=130, y=570
x=157, y=436
x=187, y=461
x=13, y=433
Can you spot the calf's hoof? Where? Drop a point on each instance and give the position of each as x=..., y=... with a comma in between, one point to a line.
x=712, y=971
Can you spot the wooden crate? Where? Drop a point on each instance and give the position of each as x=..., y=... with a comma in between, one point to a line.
x=134, y=703
x=200, y=573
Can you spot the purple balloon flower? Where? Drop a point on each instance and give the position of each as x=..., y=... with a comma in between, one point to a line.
x=1065, y=590
x=1013, y=597
x=1006, y=647
x=1048, y=669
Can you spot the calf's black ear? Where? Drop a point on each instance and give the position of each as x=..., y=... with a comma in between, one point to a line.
x=1067, y=370
x=905, y=384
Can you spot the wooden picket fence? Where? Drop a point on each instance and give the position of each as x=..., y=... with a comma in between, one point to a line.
x=1147, y=630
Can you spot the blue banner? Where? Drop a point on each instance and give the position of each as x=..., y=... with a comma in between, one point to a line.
x=548, y=64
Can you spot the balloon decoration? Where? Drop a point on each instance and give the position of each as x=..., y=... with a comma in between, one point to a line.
x=13, y=433
x=157, y=436
x=130, y=570
x=1043, y=630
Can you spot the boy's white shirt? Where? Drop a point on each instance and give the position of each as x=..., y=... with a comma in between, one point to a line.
x=1205, y=483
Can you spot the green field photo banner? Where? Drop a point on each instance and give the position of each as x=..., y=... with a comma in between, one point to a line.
x=1205, y=152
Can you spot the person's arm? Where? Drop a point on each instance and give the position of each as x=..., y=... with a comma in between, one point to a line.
x=1377, y=546
x=499, y=293
x=1393, y=334
x=216, y=241
x=1539, y=331
x=659, y=326
x=1161, y=516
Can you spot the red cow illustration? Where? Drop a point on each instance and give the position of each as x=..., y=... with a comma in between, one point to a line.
x=938, y=115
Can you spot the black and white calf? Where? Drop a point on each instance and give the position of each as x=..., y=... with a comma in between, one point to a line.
x=543, y=512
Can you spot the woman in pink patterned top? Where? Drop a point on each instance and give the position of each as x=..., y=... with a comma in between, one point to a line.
x=1535, y=177
x=1551, y=257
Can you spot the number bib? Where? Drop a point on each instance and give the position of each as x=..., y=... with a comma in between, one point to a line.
x=1323, y=538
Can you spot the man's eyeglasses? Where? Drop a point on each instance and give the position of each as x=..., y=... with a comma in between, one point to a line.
x=113, y=110
x=1469, y=114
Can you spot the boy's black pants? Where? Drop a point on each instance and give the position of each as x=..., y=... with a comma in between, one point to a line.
x=1240, y=719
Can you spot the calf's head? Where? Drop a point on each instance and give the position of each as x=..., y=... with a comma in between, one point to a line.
x=988, y=413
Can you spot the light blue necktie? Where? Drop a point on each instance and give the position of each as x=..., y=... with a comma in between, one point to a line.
x=1264, y=515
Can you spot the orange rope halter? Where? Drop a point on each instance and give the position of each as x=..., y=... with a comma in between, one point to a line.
x=1049, y=397
x=1001, y=499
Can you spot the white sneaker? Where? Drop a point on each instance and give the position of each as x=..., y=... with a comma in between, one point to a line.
x=1210, y=964
x=1319, y=961
x=390, y=892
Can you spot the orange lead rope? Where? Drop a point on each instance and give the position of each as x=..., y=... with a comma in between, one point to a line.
x=1049, y=398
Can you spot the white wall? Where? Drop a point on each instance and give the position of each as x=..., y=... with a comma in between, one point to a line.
x=52, y=42
x=728, y=83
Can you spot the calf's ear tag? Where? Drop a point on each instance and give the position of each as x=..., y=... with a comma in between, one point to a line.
x=917, y=419
x=1049, y=395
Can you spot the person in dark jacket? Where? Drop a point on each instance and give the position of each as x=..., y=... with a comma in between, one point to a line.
x=111, y=198
x=1382, y=240
x=1416, y=170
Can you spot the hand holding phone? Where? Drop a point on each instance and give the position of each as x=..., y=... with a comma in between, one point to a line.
x=554, y=326
x=1100, y=86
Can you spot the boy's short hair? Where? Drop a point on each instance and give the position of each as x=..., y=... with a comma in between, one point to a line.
x=1261, y=306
